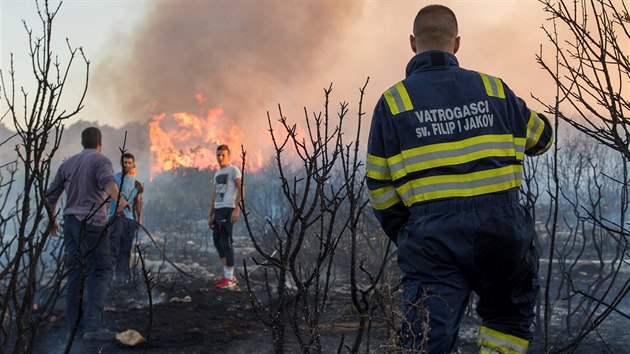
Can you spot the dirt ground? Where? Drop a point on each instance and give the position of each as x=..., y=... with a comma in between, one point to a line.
x=191, y=316
x=207, y=324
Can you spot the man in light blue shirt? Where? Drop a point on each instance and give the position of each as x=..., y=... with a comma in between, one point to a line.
x=123, y=230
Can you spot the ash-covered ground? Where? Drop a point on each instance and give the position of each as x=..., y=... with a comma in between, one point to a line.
x=191, y=316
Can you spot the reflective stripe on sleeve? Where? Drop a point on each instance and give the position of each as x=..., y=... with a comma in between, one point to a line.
x=519, y=143
x=398, y=99
x=492, y=341
x=397, y=166
x=383, y=198
x=461, y=185
x=377, y=168
x=535, y=128
x=494, y=86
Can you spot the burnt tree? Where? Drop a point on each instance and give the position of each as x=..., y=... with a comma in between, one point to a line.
x=589, y=69
x=322, y=204
x=30, y=279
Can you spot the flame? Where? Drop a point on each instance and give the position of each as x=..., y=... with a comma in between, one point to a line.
x=188, y=140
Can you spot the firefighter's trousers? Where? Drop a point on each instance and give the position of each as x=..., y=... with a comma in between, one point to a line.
x=452, y=247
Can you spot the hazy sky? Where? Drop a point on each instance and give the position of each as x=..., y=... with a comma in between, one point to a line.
x=246, y=57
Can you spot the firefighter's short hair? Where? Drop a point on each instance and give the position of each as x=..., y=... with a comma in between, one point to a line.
x=435, y=24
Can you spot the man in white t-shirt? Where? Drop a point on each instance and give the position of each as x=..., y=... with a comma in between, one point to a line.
x=224, y=212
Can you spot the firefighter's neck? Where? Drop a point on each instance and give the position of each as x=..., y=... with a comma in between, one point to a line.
x=417, y=46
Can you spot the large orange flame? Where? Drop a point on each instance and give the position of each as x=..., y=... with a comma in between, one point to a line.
x=188, y=140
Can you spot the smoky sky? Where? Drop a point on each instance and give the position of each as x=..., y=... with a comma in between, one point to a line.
x=239, y=55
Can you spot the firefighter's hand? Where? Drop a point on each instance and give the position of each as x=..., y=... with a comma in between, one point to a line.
x=235, y=215
x=53, y=228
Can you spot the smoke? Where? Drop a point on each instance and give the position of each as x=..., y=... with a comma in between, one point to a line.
x=502, y=48
x=240, y=56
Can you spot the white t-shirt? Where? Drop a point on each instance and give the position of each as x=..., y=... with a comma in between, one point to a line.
x=225, y=188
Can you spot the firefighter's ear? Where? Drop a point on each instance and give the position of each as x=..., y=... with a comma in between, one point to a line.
x=457, y=40
x=412, y=42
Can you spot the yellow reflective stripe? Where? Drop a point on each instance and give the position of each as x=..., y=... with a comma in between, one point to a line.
x=397, y=166
x=398, y=99
x=404, y=95
x=377, y=168
x=461, y=185
x=495, y=341
x=454, y=153
x=493, y=85
x=535, y=128
x=549, y=142
x=520, y=148
x=391, y=102
x=383, y=198
x=459, y=152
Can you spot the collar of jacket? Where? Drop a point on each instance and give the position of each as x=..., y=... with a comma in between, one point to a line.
x=431, y=59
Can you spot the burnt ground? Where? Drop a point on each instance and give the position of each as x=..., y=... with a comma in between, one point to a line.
x=190, y=315
x=223, y=321
x=213, y=321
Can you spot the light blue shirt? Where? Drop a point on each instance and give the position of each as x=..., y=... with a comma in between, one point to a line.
x=128, y=191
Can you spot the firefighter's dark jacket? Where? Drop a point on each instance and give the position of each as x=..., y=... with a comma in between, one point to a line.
x=447, y=132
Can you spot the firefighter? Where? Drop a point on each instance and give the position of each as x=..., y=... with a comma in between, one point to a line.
x=444, y=167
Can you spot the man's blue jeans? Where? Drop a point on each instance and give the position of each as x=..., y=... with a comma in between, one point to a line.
x=122, y=232
x=89, y=265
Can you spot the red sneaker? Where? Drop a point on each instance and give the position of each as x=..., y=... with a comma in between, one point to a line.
x=226, y=283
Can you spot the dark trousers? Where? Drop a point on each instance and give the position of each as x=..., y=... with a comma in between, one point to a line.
x=222, y=234
x=122, y=232
x=452, y=247
x=87, y=257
